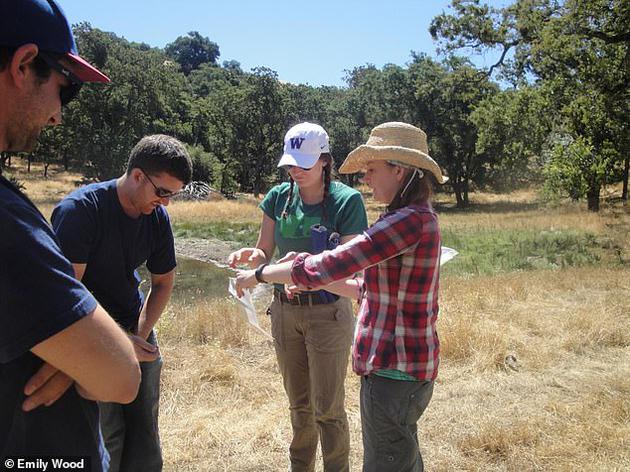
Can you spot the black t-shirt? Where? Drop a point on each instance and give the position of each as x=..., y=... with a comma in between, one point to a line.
x=39, y=297
x=93, y=229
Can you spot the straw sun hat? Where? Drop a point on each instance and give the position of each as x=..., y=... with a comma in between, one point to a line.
x=395, y=142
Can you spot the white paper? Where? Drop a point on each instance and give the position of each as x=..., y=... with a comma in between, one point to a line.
x=247, y=305
x=447, y=255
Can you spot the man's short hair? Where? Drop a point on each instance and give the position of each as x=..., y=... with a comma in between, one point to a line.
x=42, y=70
x=159, y=153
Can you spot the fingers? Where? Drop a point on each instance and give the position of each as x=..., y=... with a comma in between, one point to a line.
x=291, y=290
x=145, y=356
x=49, y=392
x=45, y=372
x=146, y=345
x=233, y=258
x=289, y=256
x=252, y=256
x=245, y=279
x=241, y=256
x=145, y=351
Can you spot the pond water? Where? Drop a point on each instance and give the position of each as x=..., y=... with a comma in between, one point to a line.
x=197, y=280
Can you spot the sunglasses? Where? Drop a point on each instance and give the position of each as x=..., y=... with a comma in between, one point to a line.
x=67, y=92
x=160, y=192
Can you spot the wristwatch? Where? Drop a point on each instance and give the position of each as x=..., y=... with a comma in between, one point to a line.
x=258, y=273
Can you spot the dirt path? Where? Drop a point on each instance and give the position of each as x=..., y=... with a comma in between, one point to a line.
x=207, y=250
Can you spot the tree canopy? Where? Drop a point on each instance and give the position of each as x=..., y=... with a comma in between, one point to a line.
x=553, y=107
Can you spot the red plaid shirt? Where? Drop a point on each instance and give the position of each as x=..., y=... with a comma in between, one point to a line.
x=400, y=254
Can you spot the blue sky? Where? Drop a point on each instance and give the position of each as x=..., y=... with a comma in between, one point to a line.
x=304, y=42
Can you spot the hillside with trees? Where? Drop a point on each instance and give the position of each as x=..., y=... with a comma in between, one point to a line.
x=552, y=111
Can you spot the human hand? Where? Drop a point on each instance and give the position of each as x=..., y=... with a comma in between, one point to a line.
x=252, y=256
x=145, y=351
x=289, y=256
x=245, y=279
x=45, y=387
x=292, y=290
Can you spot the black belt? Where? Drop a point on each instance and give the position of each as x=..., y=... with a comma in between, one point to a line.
x=304, y=299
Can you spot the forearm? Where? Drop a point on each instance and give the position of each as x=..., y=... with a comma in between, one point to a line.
x=350, y=288
x=95, y=353
x=154, y=306
x=277, y=273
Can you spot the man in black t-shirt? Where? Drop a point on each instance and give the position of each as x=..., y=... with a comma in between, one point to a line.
x=107, y=230
x=52, y=330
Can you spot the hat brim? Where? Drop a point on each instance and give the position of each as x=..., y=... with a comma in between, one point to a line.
x=358, y=159
x=305, y=161
x=86, y=71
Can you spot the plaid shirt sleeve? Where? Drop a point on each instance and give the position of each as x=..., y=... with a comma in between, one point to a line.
x=391, y=235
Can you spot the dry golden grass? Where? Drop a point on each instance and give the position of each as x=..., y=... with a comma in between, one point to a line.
x=244, y=210
x=534, y=376
x=45, y=193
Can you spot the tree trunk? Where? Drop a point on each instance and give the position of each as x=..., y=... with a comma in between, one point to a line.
x=457, y=190
x=592, y=195
x=466, y=188
x=46, y=164
x=626, y=167
x=28, y=165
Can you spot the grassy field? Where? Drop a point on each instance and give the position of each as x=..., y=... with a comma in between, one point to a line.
x=535, y=332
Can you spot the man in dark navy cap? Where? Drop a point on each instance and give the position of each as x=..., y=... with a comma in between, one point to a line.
x=51, y=327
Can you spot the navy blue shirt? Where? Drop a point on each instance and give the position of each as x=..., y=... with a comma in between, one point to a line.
x=93, y=229
x=39, y=297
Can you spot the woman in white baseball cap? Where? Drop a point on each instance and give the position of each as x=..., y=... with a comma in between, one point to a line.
x=396, y=347
x=312, y=330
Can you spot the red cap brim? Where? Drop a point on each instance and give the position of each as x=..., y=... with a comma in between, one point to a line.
x=86, y=71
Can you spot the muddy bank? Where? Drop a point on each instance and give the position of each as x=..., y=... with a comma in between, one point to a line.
x=207, y=250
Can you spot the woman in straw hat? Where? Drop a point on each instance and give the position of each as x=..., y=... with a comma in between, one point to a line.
x=312, y=330
x=396, y=345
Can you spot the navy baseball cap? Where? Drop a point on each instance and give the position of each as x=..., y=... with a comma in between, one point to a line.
x=42, y=22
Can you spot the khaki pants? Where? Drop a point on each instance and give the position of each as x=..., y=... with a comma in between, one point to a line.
x=312, y=346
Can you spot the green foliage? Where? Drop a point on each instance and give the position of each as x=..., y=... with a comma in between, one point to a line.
x=206, y=167
x=577, y=52
x=573, y=166
x=147, y=95
x=513, y=124
x=193, y=50
x=567, y=61
x=488, y=251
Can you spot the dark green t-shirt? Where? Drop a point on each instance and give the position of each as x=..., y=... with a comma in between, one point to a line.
x=345, y=215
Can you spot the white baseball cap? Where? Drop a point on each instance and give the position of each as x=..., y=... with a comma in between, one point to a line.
x=303, y=144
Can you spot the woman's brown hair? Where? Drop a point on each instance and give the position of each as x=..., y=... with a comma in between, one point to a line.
x=417, y=188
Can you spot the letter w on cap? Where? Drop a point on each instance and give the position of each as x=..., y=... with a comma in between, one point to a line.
x=296, y=143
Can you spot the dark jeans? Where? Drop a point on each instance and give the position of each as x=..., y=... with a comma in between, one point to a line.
x=130, y=431
x=390, y=410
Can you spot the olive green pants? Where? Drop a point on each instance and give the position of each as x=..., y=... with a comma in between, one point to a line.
x=313, y=346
